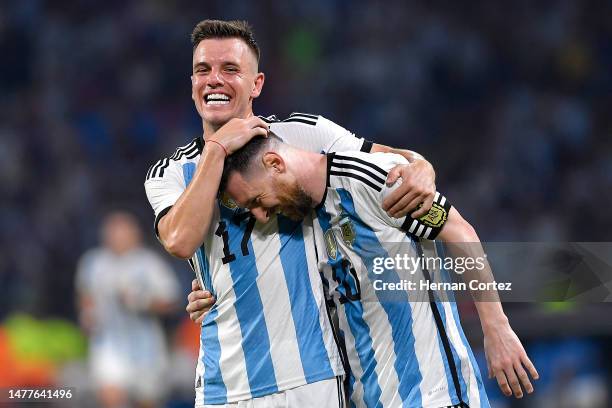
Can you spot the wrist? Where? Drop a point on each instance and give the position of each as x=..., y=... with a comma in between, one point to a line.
x=215, y=148
x=494, y=323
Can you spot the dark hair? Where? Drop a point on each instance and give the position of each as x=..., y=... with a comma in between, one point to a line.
x=225, y=29
x=242, y=159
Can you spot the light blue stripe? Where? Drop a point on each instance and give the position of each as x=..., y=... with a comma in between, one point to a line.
x=484, y=401
x=249, y=309
x=215, y=391
x=363, y=344
x=398, y=309
x=361, y=333
x=452, y=391
x=188, y=172
x=304, y=309
x=449, y=378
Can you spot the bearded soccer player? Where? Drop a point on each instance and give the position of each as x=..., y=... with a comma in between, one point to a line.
x=405, y=348
x=268, y=339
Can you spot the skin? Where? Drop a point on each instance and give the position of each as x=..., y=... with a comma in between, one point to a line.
x=270, y=186
x=120, y=233
x=228, y=66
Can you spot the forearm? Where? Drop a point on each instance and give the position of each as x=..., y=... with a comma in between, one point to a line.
x=183, y=228
x=463, y=242
x=409, y=155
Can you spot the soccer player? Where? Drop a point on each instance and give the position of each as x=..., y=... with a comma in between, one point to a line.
x=405, y=348
x=123, y=288
x=268, y=338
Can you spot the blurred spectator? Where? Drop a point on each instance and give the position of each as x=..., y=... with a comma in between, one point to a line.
x=122, y=289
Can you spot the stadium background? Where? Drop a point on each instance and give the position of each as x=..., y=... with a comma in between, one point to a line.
x=509, y=101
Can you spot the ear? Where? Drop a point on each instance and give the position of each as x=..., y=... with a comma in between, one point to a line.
x=258, y=85
x=273, y=162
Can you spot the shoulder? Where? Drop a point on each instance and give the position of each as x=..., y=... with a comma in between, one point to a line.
x=296, y=122
x=92, y=255
x=183, y=154
x=358, y=169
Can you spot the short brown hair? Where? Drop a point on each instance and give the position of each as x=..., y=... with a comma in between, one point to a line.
x=225, y=29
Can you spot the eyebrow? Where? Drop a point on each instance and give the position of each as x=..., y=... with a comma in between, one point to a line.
x=200, y=64
x=224, y=64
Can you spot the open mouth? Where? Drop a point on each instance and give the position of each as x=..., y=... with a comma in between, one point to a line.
x=216, y=99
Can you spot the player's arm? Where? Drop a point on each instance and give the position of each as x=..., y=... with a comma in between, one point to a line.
x=507, y=360
x=506, y=357
x=183, y=227
x=419, y=178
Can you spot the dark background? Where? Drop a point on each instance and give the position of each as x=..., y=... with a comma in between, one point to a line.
x=508, y=100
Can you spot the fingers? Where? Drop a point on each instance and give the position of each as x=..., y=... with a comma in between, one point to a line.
x=257, y=122
x=490, y=371
x=392, y=177
x=196, y=296
x=513, y=380
x=197, y=317
x=259, y=131
x=195, y=285
x=407, y=197
x=502, y=381
x=523, y=378
x=530, y=367
x=427, y=203
x=200, y=305
x=404, y=205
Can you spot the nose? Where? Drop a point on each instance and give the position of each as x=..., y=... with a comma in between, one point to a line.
x=215, y=79
x=260, y=214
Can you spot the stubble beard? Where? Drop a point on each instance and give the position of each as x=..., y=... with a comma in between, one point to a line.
x=300, y=204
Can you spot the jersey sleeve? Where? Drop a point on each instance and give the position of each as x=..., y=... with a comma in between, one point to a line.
x=164, y=187
x=427, y=226
x=317, y=134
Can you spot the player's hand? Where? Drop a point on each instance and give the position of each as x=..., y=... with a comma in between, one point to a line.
x=507, y=360
x=200, y=302
x=237, y=132
x=418, y=187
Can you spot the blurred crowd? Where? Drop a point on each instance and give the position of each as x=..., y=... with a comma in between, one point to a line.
x=508, y=100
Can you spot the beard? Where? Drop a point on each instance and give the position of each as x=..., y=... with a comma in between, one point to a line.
x=298, y=204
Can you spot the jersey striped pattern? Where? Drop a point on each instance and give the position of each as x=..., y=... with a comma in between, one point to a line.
x=189, y=151
x=269, y=329
x=405, y=349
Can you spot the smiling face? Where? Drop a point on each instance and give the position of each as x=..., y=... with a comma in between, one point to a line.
x=267, y=192
x=225, y=80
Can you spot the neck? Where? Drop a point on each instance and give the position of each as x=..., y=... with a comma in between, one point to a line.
x=311, y=174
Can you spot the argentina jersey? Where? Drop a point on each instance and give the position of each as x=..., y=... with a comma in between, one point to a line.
x=405, y=348
x=268, y=330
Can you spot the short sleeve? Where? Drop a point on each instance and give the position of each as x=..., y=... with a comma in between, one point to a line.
x=317, y=134
x=164, y=189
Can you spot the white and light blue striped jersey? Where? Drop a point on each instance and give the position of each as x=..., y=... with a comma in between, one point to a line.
x=269, y=329
x=405, y=348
